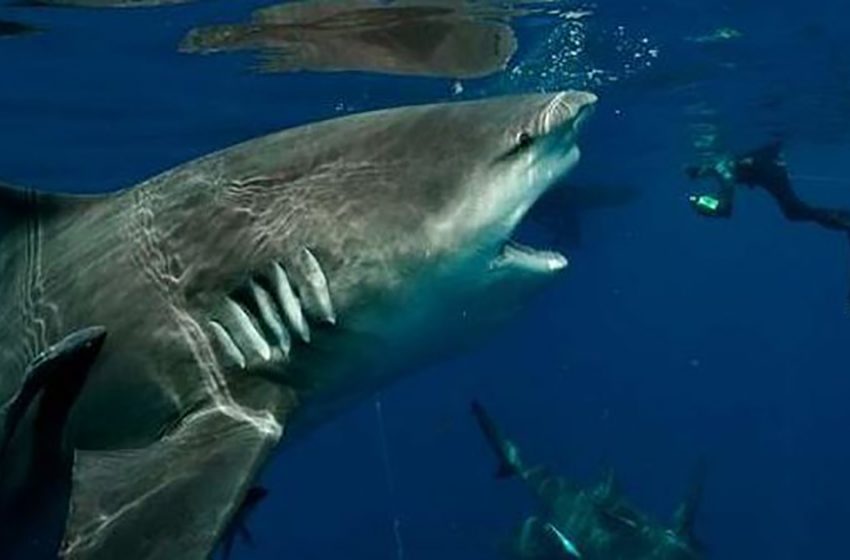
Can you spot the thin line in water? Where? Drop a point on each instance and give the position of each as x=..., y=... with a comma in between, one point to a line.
x=388, y=471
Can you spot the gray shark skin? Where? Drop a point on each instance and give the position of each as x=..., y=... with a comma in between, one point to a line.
x=596, y=522
x=264, y=287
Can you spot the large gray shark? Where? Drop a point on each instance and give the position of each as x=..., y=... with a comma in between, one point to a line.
x=261, y=288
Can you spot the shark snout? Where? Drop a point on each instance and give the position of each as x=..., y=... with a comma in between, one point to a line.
x=567, y=108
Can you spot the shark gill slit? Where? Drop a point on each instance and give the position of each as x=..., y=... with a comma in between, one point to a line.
x=148, y=253
x=271, y=318
x=252, y=326
x=289, y=302
x=32, y=290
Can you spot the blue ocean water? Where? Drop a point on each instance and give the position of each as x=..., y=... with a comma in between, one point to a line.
x=671, y=340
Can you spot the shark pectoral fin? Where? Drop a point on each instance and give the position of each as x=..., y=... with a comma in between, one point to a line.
x=183, y=490
x=58, y=375
x=35, y=464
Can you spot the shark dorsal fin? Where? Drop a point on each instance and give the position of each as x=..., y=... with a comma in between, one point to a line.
x=15, y=200
x=17, y=204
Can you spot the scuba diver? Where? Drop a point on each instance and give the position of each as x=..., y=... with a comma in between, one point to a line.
x=765, y=168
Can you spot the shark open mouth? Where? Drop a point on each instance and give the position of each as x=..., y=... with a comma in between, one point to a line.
x=562, y=127
x=516, y=255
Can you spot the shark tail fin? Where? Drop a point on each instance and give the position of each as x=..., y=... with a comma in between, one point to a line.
x=505, y=451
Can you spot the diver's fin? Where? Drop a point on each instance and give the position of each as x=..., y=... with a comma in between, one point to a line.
x=58, y=375
x=183, y=488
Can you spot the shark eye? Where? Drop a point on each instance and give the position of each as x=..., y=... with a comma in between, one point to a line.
x=524, y=140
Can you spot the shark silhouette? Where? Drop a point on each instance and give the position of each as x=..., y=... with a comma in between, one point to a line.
x=260, y=289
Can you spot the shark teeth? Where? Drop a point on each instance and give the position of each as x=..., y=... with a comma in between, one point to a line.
x=253, y=327
x=521, y=257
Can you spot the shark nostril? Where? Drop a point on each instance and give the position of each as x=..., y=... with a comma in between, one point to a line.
x=567, y=107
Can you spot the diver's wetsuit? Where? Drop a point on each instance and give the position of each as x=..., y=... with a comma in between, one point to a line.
x=761, y=168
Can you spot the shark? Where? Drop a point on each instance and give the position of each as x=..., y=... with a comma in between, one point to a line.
x=591, y=522
x=409, y=37
x=253, y=293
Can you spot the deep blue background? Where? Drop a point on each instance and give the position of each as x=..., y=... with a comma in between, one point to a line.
x=670, y=340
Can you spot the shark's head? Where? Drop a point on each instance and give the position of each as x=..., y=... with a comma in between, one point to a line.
x=434, y=193
x=497, y=158
x=395, y=220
